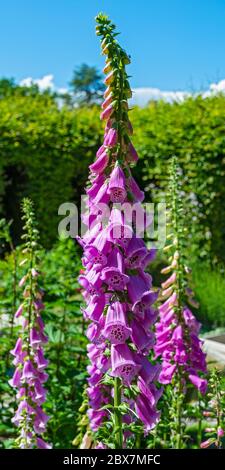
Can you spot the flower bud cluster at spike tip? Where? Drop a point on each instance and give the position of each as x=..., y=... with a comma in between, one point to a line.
x=177, y=340
x=120, y=317
x=29, y=360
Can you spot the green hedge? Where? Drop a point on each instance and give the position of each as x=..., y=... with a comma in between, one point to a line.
x=194, y=131
x=45, y=151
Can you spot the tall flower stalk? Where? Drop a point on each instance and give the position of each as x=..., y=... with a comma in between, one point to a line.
x=177, y=340
x=215, y=411
x=117, y=290
x=29, y=359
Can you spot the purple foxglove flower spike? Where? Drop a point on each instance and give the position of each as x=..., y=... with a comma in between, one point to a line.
x=177, y=342
x=28, y=353
x=116, y=289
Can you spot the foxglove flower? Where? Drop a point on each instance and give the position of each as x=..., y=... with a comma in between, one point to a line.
x=177, y=341
x=117, y=290
x=29, y=359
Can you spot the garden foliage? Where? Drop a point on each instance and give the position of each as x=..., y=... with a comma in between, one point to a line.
x=45, y=150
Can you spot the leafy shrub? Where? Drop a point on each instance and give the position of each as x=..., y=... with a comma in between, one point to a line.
x=209, y=286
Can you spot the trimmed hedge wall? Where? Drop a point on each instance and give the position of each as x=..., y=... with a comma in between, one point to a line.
x=45, y=152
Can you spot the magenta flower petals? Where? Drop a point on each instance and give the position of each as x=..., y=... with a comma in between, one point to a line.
x=98, y=154
x=132, y=155
x=170, y=302
x=199, y=383
x=40, y=392
x=95, y=308
x=107, y=101
x=106, y=113
x=220, y=432
x=29, y=372
x=116, y=328
x=135, y=245
x=35, y=337
x=16, y=379
x=117, y=185
x=114, y=275
x=22, y=281
x=19, y=311
x=136, y=253
x=167, y=373
x=102, y=197
x=101, y=244
x=18, y=348
x=40, y=422
x=177, y=336
x=111, y=138
x=100, y=164
x=149, y=391
x=140, y=338
x=42, y=444
x=170, y=281
x=148, y=415
x=136, y=192
x=114, y=278
x=100, y=445
x=118, y=231
x=96, y=418
x=42, y=376
x=40, y=360
x=93, y=333
x=150, y=317
x=138, y=286
x=191, y=321
x=148, y=372
x=123, y=363
x=208, y=443
x=91, y=281
x=38, y=305
x=140, y=294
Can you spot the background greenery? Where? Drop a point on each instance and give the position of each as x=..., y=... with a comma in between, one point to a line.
x=45, y=150
x=46, y=145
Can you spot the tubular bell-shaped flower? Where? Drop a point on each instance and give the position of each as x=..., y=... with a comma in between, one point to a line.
x=117, y=290
x=28, y=353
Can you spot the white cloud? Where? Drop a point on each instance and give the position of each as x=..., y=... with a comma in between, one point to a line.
x=218, y=87
x=44, y=83
x=141, y=96
x=62, y=91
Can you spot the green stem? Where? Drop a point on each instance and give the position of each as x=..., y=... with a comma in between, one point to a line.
x=179, y=413
x=59, y=348
x=138, y=441
x=117, y=415
x=199, y=435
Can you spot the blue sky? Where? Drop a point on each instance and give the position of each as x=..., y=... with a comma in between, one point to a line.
x=174, y=44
